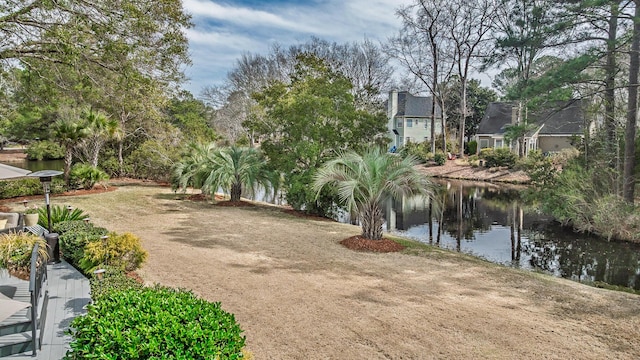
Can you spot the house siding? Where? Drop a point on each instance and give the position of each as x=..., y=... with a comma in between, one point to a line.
x=398, y=120
x=553, y=143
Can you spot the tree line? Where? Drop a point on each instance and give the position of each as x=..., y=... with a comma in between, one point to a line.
x=69, y=65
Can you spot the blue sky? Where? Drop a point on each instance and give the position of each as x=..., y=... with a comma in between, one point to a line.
x=224, y=30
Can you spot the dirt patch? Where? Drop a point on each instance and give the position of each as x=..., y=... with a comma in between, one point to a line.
x=460, y=169
x=235, y=204
x=299, y=294
x=359, y=243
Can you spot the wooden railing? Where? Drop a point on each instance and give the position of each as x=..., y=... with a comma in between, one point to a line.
x=36, y=279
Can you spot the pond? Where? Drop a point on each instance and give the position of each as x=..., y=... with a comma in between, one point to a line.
x=39, y=165
x=489, y=221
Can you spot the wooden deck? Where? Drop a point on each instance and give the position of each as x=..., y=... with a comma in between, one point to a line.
x=68, y=295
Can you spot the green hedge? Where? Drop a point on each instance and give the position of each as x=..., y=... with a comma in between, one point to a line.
x=44, y=150
x=155, y=323
x=499, y=157
x=27, y=187
x=74, y=237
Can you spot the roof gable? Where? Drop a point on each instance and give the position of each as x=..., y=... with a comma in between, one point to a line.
x=559, y=118
x=414, y=106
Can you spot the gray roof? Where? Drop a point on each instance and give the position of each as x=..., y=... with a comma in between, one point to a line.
x=496, y=117
x=559, y=118
x=414, y=106
x=562, y=118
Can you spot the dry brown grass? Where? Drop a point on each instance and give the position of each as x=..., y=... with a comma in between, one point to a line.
x=299, y=294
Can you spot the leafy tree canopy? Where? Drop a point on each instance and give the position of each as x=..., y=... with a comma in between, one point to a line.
x=308, y=120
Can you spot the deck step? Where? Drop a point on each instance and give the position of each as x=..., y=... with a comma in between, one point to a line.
x=15, y=344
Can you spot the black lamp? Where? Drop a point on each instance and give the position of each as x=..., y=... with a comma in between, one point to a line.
x=45, y=178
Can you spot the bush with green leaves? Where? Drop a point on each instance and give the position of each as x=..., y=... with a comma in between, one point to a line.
x=44, y=150
x=439, y=158
x=499, y=157
x=27, y=187
x=59, y=214
x=112, y=280
x=87, y=176
x=120, y=251
x=472, y=147
x=74, y=237
x=421, y=151
x=155, y=323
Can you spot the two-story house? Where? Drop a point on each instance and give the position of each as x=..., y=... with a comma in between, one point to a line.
x=409, y=118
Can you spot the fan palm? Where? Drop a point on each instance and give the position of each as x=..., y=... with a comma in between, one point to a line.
x=193, y=170
x=364, y=183
x=231, y=169
x=69, y=132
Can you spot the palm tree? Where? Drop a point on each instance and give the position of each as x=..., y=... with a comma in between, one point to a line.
x=231, y=169
x=364, y=184
x=192, y=170
x=100, y=129
x=69, y=132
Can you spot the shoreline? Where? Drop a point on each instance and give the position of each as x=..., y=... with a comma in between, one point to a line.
x=461, y=170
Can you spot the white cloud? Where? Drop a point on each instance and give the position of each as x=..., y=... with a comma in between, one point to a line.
x=223, y=31
x=241, y=16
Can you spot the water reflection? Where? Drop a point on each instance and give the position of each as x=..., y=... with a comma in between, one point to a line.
x=492, y=222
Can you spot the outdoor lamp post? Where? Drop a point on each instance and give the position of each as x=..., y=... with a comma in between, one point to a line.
x=45, y=178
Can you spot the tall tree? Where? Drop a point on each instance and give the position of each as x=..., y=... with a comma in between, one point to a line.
x=420, y=46
x=305, y=122
x=629, y=182
x=469, y=30
x=478, y=98
x=69, y=131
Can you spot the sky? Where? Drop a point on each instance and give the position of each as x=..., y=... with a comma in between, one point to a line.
x=224, y=30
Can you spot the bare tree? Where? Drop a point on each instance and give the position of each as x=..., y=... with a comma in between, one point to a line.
x=469, y=29
x=363, y=63
x=420, y=48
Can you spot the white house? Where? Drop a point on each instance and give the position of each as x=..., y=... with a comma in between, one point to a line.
x=409, y=118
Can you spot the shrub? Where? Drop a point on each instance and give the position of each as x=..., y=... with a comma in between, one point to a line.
x=44, y=150
x=59, y=214
x=155, y=323
x=86, y=176
x=74, y=237
x=472, y=147
x=499, y=157
x=27, y=187
x=540, y=169
x=120, y=251
x=65, y=226
x=439, y=158
x=420, y=150
x=15, y=251
x=112, y=280
x=152, y=160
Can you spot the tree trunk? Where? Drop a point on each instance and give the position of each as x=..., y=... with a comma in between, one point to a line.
x=68, y=159
x=371, y=219
x=433, y=119
x=120, y=158
x=610, y=81
x=463, y=113
x=632, y=111
x=236, y=191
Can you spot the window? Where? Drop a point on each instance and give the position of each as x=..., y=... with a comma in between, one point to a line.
x=409, y=122
x=399, y=123
x=499, y=143
x=484, y=143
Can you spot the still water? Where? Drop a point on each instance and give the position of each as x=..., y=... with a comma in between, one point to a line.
x=39, y=165
x=489, y=221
